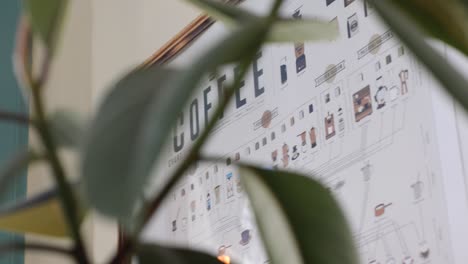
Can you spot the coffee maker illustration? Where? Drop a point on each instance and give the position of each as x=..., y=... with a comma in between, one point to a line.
x=381, y=96
x=353, y=25
x=284, y=71
x=329, y=126
x=362, y=103
x=299, y=48
x=285, y=158
x=303, y=137
x=404, y=76
x=313, y=137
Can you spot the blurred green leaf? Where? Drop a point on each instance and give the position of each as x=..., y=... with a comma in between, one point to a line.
x=444, y=19
x=67, y=128
x=299, y=219
x=167, y=106
x=283, y=30
x=454, y=82
x=46, y=19
x=151, y=253
x=15, y=166
x=41, y=214
x=135, y=120
x=110, y=147
x=229, y=14
x=300, y=30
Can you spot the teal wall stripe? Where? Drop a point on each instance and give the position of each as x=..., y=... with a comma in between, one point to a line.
x=12, y=137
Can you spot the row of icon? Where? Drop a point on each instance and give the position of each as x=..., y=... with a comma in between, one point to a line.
x=362, y=99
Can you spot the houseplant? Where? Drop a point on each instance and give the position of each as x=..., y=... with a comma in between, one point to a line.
x=140, y=115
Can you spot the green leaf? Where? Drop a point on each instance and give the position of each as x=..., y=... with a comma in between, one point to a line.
x=283, y=30
x=298, y=218
x=229, y=14
x=15, y=166
x=110, y=147
x=444, y=19
x=135, y=120
x=41, y=214
x=300, y=30
x=46, y=19
x=411, y=35
x=67, y=128
x=151, y=253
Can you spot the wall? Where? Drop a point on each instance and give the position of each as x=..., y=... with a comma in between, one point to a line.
x=69, y=87
x=124, y=34
x=147, y=25
x=102, y=39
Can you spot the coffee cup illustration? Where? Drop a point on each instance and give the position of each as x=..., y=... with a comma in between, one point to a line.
x=424, y=250
x=380, y=209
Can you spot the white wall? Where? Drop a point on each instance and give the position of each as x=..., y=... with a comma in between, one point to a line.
x=124, y=34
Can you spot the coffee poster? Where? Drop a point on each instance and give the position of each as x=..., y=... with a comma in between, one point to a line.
x=356, y=113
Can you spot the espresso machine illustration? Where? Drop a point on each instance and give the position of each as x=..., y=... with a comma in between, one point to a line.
x=404, y=76
x=329, y=126
x=313, y=137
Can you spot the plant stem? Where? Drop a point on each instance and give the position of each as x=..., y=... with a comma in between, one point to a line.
x=23, y=68
x=22, y=53
x=15, y=117
x=68, y=200
x=18, y=246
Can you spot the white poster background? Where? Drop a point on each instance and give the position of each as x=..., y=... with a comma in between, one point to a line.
x=358, y=113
